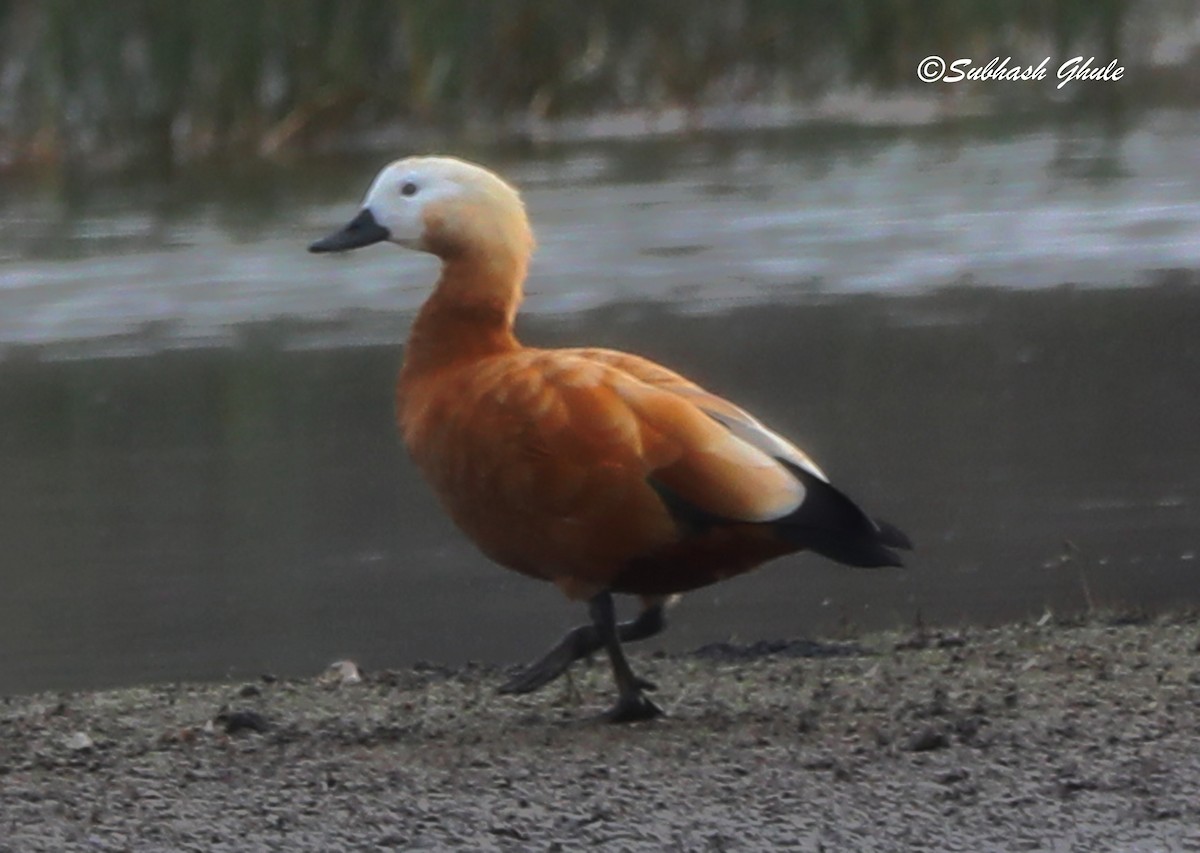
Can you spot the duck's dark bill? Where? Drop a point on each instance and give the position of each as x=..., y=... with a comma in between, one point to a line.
x=363, y=230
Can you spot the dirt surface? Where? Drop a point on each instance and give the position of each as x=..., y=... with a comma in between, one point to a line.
x=1026, y=737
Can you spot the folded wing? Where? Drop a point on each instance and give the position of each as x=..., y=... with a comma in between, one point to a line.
x=598, y=470
x=737, y=420
x=747, y=473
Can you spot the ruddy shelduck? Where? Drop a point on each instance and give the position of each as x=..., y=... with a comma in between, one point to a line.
x=597, y=470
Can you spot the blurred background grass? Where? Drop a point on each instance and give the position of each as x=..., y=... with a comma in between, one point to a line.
x=143, y=82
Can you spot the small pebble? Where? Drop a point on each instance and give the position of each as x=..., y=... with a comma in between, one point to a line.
x=927, y=739
x=345, y=672
x=78, y=742
x=236, y=721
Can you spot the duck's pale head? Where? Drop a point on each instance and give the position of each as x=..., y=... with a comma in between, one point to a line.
x=442, y=205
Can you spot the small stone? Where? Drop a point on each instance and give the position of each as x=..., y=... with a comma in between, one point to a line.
x=953, y=777
x=927, y=739
x=78, y=742
x=345, y=672
x=236, y=721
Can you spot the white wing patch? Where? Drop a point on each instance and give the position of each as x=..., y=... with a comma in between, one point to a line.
x=746, y=455
x=750, y=430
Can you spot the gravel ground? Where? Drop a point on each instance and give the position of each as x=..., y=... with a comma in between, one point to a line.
x=1025, y=737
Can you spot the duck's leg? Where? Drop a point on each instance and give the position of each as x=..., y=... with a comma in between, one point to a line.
x=581, y=642
x=632, y=703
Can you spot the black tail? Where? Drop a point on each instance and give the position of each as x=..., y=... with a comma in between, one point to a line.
x=831, y=524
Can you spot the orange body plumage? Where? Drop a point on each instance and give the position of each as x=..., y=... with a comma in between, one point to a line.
x=596, y=470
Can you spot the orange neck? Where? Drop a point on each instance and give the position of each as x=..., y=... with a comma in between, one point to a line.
x=468, y=316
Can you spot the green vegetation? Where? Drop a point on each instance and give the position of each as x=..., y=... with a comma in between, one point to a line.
x=109, y=83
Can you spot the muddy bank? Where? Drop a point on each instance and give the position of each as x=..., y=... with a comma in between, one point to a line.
x=1023, y=737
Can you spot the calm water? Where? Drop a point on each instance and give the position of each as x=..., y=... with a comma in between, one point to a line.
x=987, y=335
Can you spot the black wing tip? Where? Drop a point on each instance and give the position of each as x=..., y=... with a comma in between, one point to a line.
x=895, y=563
x=857, y=553
x=853, y=539
x=892, y=536
x=831, y=524
x=862, y=550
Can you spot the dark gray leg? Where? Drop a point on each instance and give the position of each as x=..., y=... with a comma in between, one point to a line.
x=581, y=642
x=632, y=703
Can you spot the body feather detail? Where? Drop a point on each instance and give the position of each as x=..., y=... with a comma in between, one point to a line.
x=556, y=462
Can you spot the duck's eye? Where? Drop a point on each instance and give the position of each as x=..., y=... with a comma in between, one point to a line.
x=408, y=188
